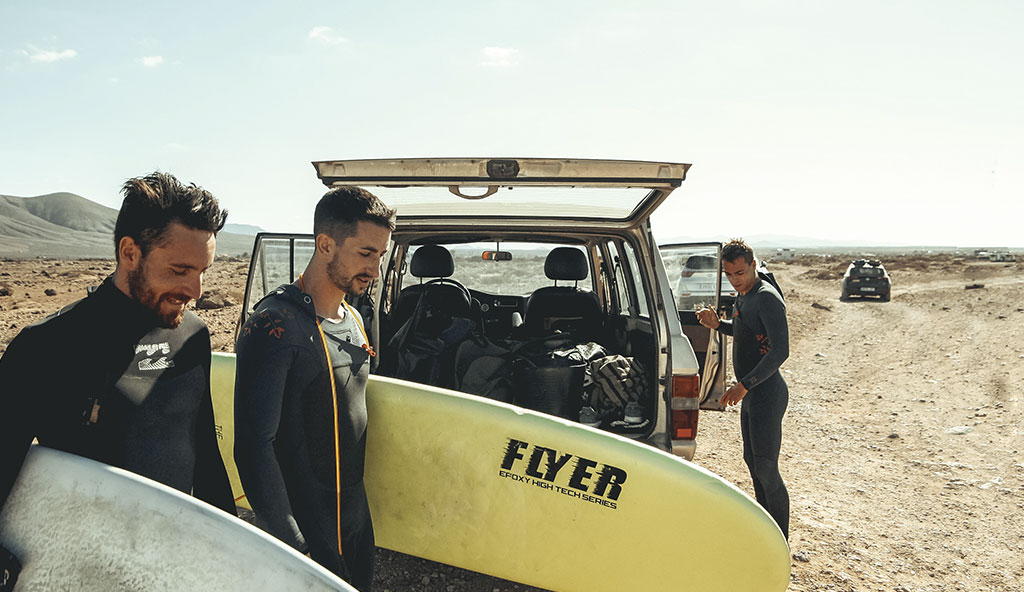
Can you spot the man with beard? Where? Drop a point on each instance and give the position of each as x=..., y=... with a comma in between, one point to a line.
x=300, y=392
x=122, y=376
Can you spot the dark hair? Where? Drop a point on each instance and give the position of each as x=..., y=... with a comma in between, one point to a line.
x=735, y=249
x=341, y=209
x=153, y=202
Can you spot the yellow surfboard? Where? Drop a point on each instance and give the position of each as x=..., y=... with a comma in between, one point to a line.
x=531, y=498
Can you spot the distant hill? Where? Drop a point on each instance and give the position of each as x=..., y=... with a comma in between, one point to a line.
x=246, y=229
x=763, y=243
x=65, y=225
x=770, y=241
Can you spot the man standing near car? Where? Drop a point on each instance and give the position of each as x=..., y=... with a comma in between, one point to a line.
x=760, y=345
x=123, y=375
x=300, y=392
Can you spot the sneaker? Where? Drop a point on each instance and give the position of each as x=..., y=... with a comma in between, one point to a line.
x=589, y=417
x=634, y=413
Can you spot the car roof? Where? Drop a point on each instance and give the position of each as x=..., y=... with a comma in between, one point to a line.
x=606, y=193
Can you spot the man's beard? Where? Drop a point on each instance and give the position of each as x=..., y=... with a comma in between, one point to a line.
x=345, y=283
x=140, y=290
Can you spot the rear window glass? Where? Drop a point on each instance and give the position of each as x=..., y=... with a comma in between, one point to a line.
x=701, y=262
x=545, y=202
x=868, y=272
x=638, y=281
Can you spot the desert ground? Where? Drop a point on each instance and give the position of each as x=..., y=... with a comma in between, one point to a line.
x=903, y=439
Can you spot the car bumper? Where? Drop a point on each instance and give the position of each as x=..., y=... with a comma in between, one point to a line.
x=684, y=448
x=867, y=290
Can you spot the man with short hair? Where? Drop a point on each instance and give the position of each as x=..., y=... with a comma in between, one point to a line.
x=122, y=376
x=300, y=392
x=760, y=344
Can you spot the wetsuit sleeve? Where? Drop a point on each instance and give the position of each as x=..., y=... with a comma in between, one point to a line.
x=261, y=376
x=725, y=327
x=210, y=482
x=19, y=409
x=772, y=312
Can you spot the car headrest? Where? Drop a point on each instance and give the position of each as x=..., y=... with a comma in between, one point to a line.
x=432, y=261
x=565, y=263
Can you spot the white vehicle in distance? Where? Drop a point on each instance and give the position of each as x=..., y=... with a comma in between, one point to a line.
x=700, y=277
x=514, y=262
x=699, y=282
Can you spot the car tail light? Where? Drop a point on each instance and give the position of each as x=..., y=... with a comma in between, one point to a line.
x=687, y=274
x=685, y=406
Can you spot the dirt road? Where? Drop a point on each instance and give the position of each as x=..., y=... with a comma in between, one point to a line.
x=904, y=439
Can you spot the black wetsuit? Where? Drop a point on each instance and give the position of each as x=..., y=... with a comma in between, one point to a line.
x=285, y=431
x=101, y=379
x=760, y=344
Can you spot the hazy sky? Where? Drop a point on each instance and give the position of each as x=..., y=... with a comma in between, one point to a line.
x=887, y=122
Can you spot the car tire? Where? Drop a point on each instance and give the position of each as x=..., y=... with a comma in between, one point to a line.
x=844, y=297
x=885, y=298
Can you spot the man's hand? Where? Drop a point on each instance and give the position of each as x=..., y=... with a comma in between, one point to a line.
x=734, y=395
x=708, y=317
x=9, y=569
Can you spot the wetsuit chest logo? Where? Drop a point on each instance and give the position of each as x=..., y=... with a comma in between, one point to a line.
x=151, y=350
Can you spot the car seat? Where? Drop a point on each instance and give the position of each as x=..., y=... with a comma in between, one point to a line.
x=564, y=308
x=430, y=262
x=436, y=317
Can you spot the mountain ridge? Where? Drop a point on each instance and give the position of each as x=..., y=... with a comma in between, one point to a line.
x=66, y=225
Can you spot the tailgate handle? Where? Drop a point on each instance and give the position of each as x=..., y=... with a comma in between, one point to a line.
x=455, y=190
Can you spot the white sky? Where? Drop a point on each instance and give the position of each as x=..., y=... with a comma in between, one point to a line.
x=886, y=122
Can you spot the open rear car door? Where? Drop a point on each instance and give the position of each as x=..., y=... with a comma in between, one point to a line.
x=695, y=274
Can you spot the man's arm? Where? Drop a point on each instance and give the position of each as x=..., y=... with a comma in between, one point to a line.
x=772, y=311
x=262, y=365
x=18, y=408
x=210, y=481
x=708, y=317
x=18, y=422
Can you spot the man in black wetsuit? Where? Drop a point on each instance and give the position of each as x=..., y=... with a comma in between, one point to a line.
x=300, y=392
x=123, y=375
x=760, y=344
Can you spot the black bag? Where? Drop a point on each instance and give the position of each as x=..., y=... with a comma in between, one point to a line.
x=423, y=349
x=484, y=368
x=547, y=376
x=769, y=277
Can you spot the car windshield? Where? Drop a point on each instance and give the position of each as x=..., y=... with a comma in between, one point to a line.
x=867, y=272
x=521, y=275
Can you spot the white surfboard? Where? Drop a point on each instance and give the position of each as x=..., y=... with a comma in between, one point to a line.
x=551, y=503
x=80, y=525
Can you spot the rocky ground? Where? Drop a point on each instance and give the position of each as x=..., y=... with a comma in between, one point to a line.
x=904, y=439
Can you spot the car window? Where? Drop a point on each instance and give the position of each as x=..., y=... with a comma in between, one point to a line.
x=621, y=282
x=636, y=283
x=547, y=202
x=278, y=261
x=691, y=272
x=868, y=272
x=519, y=276
x=700, y=263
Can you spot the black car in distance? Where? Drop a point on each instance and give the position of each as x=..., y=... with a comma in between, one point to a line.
x=866, y=278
